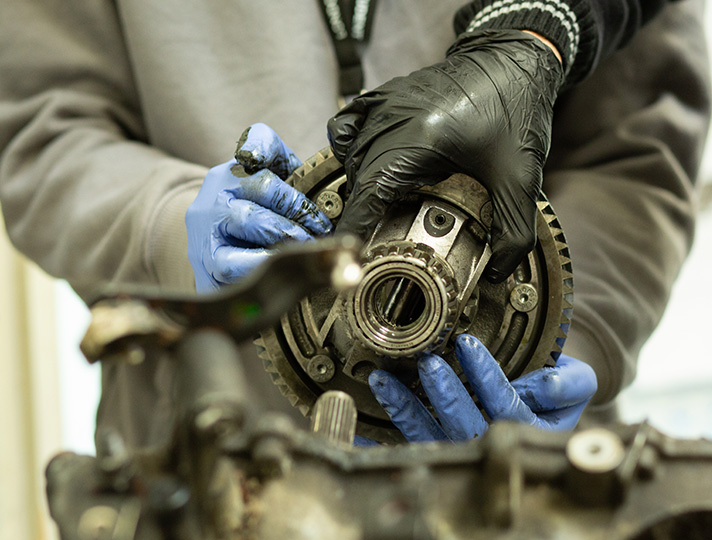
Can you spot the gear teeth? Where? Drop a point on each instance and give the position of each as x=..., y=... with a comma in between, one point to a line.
x=261, y=347
x=304, y=409
x=310, y=164
x=277, y=379
x=567, y=280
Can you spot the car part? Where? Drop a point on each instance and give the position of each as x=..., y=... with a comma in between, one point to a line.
x=231, y=472
x=421, y=286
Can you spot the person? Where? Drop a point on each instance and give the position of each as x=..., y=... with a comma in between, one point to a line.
x=110, y=120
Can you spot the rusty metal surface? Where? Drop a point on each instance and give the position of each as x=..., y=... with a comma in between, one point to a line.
x=230, y=472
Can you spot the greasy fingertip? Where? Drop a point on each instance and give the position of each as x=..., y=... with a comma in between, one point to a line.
x=458, y=415
x=259, y=147
x=502, y=263
x=513, y=230
x=430, y=364
x=241, y=141
x=361, y=215
x=495, y=275
x=404, y=409
x=385, y=388
x=377, y=378
x=347, y=225
x=467, y=345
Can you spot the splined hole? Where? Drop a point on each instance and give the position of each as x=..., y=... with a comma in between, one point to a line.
x=399, y=302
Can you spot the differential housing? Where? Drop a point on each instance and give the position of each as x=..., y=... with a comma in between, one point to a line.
x=421, y=287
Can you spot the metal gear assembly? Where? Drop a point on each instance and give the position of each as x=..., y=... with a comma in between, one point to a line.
x=421, y=287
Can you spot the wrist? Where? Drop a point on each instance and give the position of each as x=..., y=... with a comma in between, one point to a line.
x=547, y=43
x=570, y=25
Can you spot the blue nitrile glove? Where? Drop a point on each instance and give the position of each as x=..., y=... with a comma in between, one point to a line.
x=244, y=207
x=550, y=398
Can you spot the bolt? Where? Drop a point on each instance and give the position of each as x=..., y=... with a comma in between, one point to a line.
x=595, y=451
x=524, y=297
x=321, y=368
x=438, y=223
x=330, y=203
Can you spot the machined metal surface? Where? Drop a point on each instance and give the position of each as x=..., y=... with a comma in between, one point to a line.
x=422, y=285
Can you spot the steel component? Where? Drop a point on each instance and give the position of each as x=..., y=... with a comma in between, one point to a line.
x=524, y=297
x=421, y=286
x=406, y=303
x=330, y=203
x=321, y=369
x=595, y=451
x=334, y=417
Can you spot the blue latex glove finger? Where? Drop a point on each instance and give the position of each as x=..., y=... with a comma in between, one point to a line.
x=247, y=225
x=567, y=384
x=230, y=263
x=364, y=442
x=489, y=382
x=259, y=147
x=405, y=410
x=268, y=190
x=563, y=419
x=502, y=402
x=458, y=415
x=250, y=222
x=244, y=206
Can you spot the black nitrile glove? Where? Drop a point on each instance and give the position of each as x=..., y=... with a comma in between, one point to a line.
x=485, y=111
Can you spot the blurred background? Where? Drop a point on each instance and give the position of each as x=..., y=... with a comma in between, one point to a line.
x=48, y=393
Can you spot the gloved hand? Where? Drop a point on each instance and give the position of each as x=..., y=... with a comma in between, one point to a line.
x=485, y=111
x=550, y=398
x=244, y=207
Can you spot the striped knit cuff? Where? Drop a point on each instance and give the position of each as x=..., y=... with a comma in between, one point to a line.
x=568, y=24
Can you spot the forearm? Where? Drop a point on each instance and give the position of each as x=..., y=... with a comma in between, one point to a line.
x=583, y=31
x=82, y=192
x=621, y=177
x=89, y=222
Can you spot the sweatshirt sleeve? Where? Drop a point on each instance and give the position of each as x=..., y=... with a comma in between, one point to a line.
x=625, y=152
x=82, y=192
x=584, y=31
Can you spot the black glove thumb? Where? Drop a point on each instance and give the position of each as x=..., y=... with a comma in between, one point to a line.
x=513, y=230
